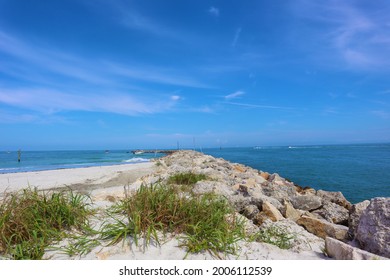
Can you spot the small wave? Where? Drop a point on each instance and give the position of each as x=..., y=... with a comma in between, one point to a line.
x=9, y=170
x=136, y=160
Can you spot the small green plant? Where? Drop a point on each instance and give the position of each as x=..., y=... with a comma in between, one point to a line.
x=163, y=209
x=187, y=178
x=276, y=235
x=30, y=220
x=78, y=245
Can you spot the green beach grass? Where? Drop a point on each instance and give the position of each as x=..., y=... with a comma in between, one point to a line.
x=164, y=208
x=30, y=221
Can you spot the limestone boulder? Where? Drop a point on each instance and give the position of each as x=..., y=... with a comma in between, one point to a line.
x=333, y=213
x=258, y=198
x=250, y=211
x=268, y=212
x=335, y=197
x=300, y=239
x=239, y=202
x=265, y=175
x=373, y=230
x=343, y=251
x=322, y=228
x=289, y=212
x=305, y=190
x=275, y=177
x=354, y=215
x=279, y=192
x=306, y=202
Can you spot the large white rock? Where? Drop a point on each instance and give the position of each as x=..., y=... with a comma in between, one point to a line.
x=323, y=228
x=373, y=231
x=354, y=216
x=342, y=251
x=306, y=202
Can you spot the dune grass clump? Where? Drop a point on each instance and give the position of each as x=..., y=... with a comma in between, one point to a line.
x=276, y=235
x=30, y=220
x=163, y=208
x=187, y=178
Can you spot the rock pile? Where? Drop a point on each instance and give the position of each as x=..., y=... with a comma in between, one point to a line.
x=268, y=199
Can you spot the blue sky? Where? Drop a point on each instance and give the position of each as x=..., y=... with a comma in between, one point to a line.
x=107, y=74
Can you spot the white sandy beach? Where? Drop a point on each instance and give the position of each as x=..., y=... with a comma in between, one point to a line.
x=105, y=185
x=100, y=176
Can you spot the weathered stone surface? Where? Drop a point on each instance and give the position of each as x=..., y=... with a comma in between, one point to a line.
x=275, y=178
x=280, y=192
x=301, y=240
x=239, y=168
x=333, y=213
x=342, y=251
x=335, y=197
x=373, y=230
x=322, y=228
x=251, y=192
x=265, y=175
x=268, y=212
x=250, y=211
x=272, y=212
x=305, y=190
x=258, y=199
x=202, y=187
x=289, y=212
x=306, y=202
x=354, y=216
x=239, y=202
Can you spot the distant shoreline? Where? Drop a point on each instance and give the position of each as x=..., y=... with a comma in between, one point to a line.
x=72, y=167
x=92, y=176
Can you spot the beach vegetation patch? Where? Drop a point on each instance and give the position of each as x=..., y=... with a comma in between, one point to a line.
x=275, y=235
x=31, y=220
x=200, y=220
x=187, y=178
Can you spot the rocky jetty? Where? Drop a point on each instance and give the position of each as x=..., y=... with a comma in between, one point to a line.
x=360, y=231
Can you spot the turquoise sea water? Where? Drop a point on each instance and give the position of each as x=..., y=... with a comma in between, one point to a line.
x=48, y=160
x=358, y=171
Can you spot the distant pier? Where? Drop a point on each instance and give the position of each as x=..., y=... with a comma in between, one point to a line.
x=139, y=152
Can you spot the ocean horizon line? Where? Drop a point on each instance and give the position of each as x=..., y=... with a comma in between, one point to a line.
x=199, y=147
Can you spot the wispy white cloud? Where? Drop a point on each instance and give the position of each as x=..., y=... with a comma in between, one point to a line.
x=357, y=36
x=28, y=61
x=9, y=117
x=175, y=97
x=257, y=106
x=51, y=60
x=381, y=114
x=50, y=101
x=127, y=14
x=204, y=109
x=155, y=75
x=214, y=11
x=131, y=19
x=236, y=37
x=330, y=111
x=234, y=95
